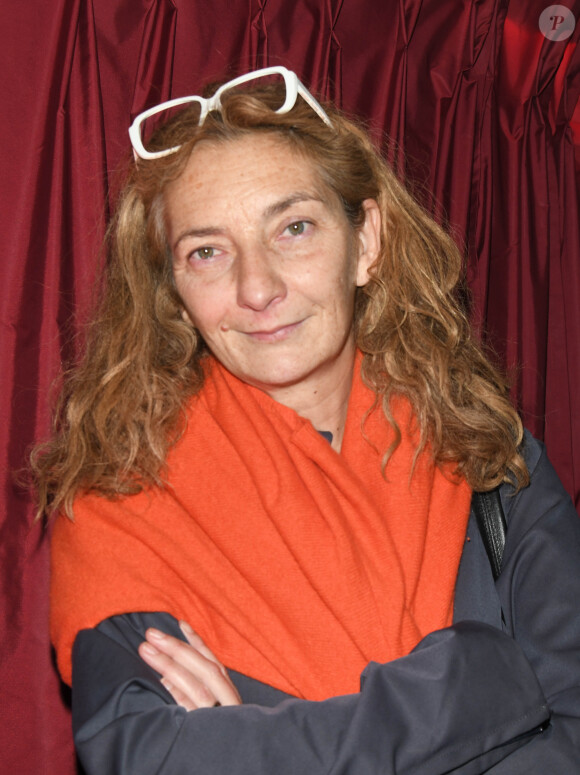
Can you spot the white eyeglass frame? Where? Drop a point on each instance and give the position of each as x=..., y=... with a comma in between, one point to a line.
x=294, y=87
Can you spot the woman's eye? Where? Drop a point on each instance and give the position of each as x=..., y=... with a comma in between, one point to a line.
x=296, y=229
x=204, y=253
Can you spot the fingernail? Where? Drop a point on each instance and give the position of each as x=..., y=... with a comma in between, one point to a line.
x=149, y=649
x=155, y=634
x=186, y=627
x=167, y=684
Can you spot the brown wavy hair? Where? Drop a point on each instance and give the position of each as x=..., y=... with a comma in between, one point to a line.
x=122, y=406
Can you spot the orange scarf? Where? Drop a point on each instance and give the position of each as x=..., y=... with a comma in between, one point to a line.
x=296, y=565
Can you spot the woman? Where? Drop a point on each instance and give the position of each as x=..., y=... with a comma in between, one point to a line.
x=274, y=436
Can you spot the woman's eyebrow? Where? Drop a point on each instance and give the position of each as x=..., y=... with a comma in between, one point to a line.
x=209, y=231
x=284, y=204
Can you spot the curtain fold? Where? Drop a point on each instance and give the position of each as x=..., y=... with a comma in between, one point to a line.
x=476, y=105
x=156, y=57
x=531, y=310
x=52, y=202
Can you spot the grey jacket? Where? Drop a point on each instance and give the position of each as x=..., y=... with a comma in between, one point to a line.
x=499, y=691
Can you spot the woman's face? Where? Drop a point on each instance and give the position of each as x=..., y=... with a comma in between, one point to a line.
x=266, y=262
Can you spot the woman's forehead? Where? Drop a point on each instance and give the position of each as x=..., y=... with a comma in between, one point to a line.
x=255, y=170
x=251, y=151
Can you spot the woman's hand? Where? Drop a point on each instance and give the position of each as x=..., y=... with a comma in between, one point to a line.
x=190, y=672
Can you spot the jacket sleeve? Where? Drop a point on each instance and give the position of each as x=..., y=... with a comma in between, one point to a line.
x=539, y=590
x=424, y=714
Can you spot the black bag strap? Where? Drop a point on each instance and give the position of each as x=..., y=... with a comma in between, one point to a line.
x=492, y=526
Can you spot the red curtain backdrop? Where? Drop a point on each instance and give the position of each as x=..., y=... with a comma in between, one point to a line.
x=476, y=105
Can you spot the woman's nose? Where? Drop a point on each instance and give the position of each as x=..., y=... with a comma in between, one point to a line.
x=259, y=280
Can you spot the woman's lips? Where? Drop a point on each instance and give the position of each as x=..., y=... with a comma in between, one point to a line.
x=274, y=334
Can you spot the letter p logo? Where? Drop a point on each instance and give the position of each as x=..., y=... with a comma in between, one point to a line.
x=557, y=23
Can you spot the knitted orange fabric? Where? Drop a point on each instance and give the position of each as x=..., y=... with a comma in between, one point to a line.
x=296, y=565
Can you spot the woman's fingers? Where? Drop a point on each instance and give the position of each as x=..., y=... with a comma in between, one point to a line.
x=183, y=685
x=190, y=672
x=194, y=640
x=199, y=661
x=181, y=698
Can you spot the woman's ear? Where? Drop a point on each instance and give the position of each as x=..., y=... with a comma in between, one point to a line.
x=185, y=316
x=369, y=241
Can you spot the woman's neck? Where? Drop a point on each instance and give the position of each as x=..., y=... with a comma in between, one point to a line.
x=324, y=402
